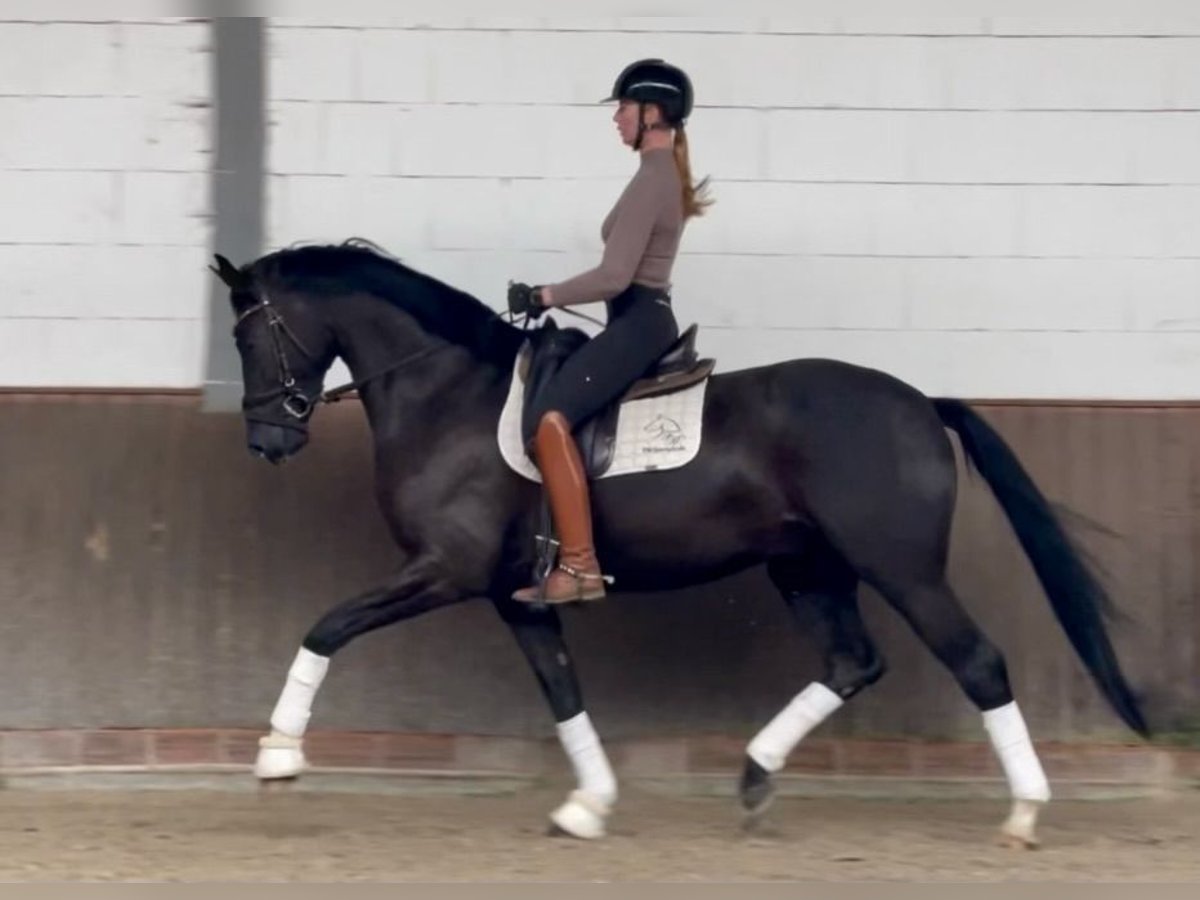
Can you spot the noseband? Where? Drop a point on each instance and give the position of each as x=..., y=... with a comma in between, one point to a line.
x=296, y=403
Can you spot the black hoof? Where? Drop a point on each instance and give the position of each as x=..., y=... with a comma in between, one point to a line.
x=756, y=791
x=269, y=786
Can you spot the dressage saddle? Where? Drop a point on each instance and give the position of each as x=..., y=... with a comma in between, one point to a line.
x=547, y=349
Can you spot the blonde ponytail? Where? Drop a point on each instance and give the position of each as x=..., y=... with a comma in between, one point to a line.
x=695, y=196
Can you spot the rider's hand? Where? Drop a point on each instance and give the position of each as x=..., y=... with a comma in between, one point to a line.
x=524, y=299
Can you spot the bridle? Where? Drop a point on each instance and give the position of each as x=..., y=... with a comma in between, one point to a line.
x=296, y=403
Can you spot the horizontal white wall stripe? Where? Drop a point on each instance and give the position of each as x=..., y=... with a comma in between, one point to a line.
x=1003, y=206
x=103, y=202
x=942, y=198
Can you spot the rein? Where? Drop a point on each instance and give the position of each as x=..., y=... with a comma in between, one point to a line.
x=296, y=403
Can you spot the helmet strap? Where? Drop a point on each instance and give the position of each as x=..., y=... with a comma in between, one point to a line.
x=643, y=127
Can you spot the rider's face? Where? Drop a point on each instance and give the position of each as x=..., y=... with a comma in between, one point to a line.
x=626, y=117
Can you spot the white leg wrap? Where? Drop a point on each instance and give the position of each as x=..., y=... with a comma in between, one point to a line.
x=812, y=706
x=582, y=745
x=1010, y=739
x=294, y=708
x=586, y=809
x=582, y=816
x=279, y=756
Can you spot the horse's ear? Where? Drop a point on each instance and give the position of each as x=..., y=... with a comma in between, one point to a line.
x=228, y=272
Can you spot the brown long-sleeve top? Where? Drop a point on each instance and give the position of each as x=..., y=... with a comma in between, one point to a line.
x=641, y=235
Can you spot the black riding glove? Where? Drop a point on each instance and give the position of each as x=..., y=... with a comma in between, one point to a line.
x=524, y=299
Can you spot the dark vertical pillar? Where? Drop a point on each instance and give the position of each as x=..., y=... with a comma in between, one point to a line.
x=238, y=185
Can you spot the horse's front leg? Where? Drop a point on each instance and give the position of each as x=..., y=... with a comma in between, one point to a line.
x=539, y=635
x=281, y=753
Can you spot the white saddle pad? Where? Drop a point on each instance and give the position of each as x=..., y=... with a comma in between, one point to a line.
x=653, y=433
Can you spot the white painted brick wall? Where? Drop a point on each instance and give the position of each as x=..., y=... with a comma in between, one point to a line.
x=103, y=203
x=987, y=207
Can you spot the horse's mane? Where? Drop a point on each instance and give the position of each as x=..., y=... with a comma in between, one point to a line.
x=358, y=265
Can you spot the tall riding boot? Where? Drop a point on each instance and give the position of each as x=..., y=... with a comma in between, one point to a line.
x=577, y=576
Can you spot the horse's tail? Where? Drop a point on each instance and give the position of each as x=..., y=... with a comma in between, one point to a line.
x=1078, y=598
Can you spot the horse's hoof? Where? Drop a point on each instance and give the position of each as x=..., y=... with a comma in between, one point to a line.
x=1018, y=832
x=1011, y=841
x=268, y=786
x=279, y=757
x=279, y=766
x=757, y=793
x=752, y=818
x=582, y=817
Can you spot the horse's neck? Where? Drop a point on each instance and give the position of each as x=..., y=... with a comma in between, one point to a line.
x=409, y=372
x=370, y=336
x=446, y=401
x=411, y=389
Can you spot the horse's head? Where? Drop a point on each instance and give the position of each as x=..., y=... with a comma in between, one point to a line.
x=285, y=351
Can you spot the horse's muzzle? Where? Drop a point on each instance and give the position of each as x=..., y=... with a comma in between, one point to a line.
x=274, y=443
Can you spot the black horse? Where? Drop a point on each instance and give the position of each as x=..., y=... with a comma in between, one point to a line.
x=830, y=474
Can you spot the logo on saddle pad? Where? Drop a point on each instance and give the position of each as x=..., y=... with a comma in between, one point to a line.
x=656, y=425
x=664, y=435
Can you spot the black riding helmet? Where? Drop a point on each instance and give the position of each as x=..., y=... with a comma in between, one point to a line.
x=659, y=82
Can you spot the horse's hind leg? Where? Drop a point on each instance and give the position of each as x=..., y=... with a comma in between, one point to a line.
x=890, y=518
x=820, y=589
x=938, y=618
